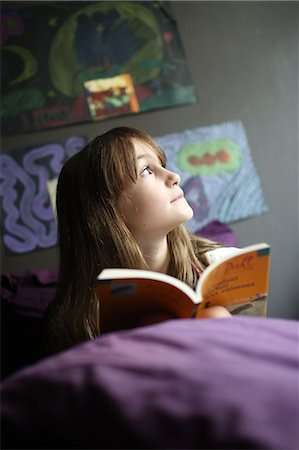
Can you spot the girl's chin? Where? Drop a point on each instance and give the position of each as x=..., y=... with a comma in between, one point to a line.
x=186, y=212
x=189, y=211
x=189, y=215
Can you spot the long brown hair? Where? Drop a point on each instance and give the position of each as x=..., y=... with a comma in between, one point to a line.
x=93, y=236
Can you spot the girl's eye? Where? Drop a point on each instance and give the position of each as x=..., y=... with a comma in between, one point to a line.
x=146, y=171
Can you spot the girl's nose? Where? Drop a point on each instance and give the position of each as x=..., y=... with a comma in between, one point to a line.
x=173, y=178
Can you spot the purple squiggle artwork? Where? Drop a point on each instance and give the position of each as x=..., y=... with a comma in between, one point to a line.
x=27, y=215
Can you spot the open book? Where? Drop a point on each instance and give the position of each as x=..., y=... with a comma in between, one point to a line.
x=239, y=282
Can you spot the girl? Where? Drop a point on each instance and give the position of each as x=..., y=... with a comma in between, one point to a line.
x=119, y=206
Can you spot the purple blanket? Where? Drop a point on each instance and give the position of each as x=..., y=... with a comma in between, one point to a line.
x=200, y=384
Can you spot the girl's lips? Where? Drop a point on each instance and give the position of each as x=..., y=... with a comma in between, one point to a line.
x=178, y=197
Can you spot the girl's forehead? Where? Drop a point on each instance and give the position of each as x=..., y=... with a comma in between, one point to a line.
x=142, y=149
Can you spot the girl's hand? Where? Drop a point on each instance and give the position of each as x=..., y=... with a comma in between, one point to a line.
x=214, y=312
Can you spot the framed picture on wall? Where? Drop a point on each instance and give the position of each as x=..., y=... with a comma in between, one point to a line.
x=75, y=62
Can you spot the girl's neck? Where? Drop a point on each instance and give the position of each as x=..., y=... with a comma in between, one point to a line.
x=156, y=254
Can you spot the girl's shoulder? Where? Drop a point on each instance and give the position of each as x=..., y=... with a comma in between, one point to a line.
x=219, y=253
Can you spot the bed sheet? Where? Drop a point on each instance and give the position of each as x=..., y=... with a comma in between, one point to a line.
x=200, y=384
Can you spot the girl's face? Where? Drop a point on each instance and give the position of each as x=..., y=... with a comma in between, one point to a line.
x=155, y=204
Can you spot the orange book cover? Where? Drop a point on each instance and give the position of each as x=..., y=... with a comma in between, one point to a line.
x=239, y=282
x=128, y=295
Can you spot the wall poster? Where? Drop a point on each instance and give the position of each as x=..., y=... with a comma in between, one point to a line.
x=78, y=61
x=27, y=189
x=217, y=173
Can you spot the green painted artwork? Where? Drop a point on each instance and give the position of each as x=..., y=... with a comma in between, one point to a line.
x=210, y=157
x=50, y=51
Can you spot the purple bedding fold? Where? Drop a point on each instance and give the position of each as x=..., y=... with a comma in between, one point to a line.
x=200, y=384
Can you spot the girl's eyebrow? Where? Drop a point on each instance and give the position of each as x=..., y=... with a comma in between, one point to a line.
x=142, y=156
x=148, y=155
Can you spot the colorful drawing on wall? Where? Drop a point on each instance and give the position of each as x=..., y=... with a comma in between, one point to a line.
x=27, y=216
x=50, y=51
x=111, y=96
x=217, y=173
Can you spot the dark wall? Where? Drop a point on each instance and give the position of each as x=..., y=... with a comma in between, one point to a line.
x=243, y=58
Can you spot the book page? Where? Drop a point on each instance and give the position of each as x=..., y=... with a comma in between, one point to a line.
x=241, y=279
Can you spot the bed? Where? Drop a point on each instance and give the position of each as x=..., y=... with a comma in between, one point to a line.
x=198, y=384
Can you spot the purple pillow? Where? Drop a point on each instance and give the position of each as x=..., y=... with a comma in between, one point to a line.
x=200, y=384
x=219, y=232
